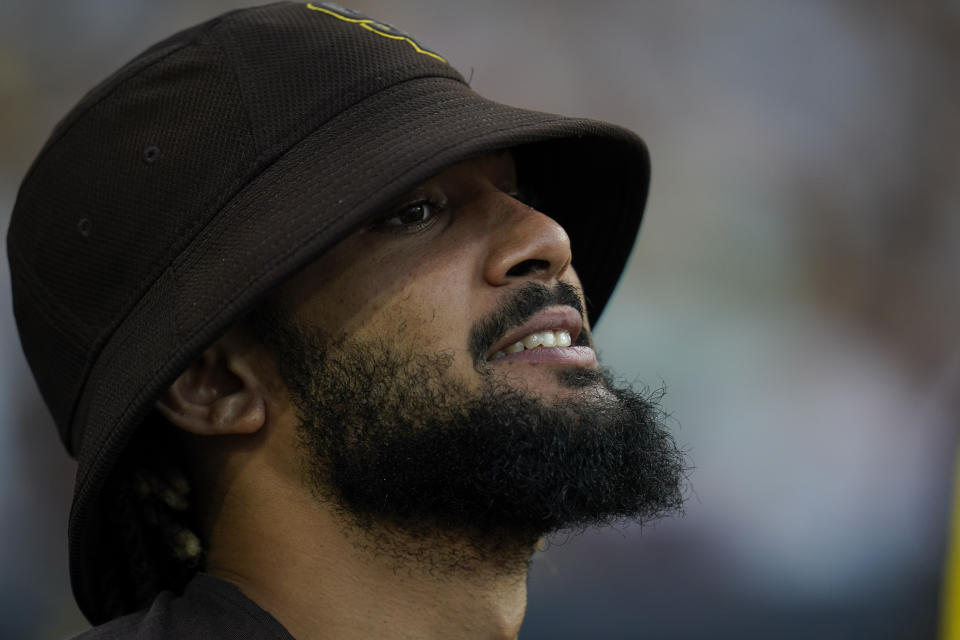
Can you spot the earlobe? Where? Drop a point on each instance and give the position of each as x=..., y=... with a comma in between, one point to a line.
x=238, y=413
x=218, y=394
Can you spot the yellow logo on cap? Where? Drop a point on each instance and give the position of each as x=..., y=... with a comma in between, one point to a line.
x=379, y=28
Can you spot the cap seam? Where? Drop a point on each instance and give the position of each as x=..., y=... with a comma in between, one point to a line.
x=119, y=80
x=293, y=137
x=226, y=45
x=304, y=128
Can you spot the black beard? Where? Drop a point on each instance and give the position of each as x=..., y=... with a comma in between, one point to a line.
x=394, y=440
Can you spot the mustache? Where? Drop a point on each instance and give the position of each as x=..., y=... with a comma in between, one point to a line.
x=526, y=301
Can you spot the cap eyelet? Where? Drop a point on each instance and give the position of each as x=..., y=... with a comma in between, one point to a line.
x=151, y=154
x=85, y=225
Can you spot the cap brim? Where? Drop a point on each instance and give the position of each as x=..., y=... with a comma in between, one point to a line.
x=593, y=175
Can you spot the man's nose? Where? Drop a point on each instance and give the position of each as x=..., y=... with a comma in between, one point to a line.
x=525, y=245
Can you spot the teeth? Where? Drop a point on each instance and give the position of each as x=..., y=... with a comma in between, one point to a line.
x=532, y=341
x=516, y=347
x=558, y=338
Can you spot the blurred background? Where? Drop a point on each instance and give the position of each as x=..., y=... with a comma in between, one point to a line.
x=796, y=289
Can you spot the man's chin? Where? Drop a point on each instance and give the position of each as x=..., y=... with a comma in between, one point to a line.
x=396, y=438
x=507, y=461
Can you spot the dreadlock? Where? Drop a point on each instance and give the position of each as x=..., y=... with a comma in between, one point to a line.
x=152, y=518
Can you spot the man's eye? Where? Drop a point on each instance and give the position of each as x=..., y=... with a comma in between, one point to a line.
x=412, y=217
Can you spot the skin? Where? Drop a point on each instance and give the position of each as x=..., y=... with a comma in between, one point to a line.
x=422, y=281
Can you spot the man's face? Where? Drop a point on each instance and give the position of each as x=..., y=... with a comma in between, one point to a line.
x=419, y=409
x=444, y=257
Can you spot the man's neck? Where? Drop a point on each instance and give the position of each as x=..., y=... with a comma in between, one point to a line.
x=322, y=578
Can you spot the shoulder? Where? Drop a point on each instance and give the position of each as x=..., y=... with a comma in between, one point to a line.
x=208, y=608
x=125, y=627
x=146, y=624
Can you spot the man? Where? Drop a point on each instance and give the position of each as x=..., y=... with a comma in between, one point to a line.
x=314, y=318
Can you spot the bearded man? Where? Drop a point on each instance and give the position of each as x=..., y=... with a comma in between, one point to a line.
x=314, y=318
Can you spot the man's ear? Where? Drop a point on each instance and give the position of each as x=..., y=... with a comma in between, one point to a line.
x=220, y=393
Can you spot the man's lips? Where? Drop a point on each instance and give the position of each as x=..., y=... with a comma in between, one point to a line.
x=554, y=320
x=574, y=355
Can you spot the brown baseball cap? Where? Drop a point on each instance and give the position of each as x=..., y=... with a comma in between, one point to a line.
x=221, y=161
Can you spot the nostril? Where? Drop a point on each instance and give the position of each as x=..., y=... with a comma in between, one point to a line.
x=528, y=267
